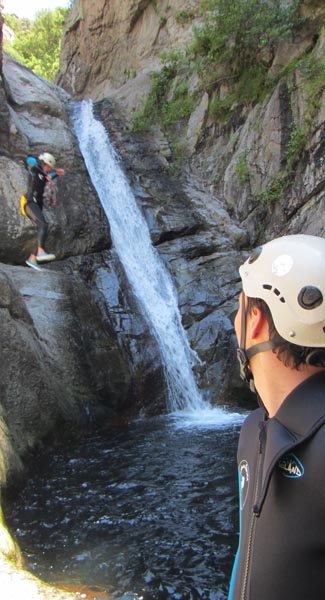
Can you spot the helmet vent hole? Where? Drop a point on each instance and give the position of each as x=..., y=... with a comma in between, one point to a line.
x=275, y=291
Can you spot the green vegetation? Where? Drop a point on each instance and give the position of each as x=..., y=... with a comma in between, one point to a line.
x=312, y=71
x=233, y=49
x=169, y=100
x=311, y=79
x=185, y=16
x=277, y=188
x=230, y=59
x=169, y=103
x=16, y=24
x=37, y=43
x=242, y=169
x=297, y=143
x=243, y=32
x=178, y=148
x=283, y=179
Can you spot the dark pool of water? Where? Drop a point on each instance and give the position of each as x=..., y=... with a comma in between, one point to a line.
x=149, y=510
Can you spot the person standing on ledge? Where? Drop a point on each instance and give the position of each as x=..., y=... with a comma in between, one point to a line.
x=280, y=327
x=41, y=171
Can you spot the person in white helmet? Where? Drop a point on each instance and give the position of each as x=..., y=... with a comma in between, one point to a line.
x=280, y=327
x=41, y=171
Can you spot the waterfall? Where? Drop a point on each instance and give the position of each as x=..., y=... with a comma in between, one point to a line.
x=148, y=277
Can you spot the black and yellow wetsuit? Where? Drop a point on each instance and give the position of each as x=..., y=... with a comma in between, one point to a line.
x=35, y=197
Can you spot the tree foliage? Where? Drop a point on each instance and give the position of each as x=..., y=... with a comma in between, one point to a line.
x=37, y=44
x=242, y=33
x=233, y=50
x=237, y=44
x=16, y=24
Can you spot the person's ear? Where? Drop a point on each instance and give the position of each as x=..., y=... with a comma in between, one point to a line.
x=257, y=323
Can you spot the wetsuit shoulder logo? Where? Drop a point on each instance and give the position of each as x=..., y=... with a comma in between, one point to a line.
x=244, y=482
x=290, y=466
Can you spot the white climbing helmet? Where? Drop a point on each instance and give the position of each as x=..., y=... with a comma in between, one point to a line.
x=288, y=273
x=48, y=159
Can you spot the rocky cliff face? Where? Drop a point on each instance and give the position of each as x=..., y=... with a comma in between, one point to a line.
x=64, y=359
x=109, y=50
x=113, y=46
x=75, y=348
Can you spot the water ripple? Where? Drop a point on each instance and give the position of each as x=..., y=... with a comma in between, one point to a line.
x=150, y=512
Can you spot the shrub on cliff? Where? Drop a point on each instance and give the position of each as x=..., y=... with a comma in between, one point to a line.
x=233, y=48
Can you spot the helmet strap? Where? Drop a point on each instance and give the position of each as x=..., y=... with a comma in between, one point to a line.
x=244, y=369
x=244, y=355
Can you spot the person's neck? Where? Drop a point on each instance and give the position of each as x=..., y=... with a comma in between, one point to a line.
x=274, y=381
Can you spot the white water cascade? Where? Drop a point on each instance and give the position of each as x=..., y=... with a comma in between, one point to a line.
x=146, y=273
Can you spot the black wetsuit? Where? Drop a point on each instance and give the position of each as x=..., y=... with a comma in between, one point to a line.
x=281, y=554
x=35, y=197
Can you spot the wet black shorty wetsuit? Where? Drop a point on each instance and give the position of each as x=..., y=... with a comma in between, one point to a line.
x=281, y=462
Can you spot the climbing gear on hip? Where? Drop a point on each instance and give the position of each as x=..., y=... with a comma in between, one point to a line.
x=23, y=202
